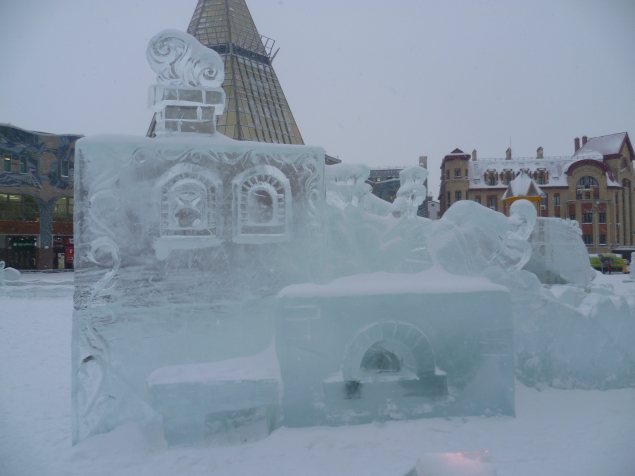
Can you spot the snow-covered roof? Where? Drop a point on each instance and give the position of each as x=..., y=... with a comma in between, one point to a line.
x=556, y=168
x=522, y=186
x=457, y=151
x=603, y=145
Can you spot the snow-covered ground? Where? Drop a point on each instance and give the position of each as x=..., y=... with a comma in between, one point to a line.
x=555, y=432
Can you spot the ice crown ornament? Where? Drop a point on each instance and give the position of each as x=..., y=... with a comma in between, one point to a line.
x=189, y=94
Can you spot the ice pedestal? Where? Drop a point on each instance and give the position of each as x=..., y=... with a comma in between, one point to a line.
x=196, y=401
x=388, y=346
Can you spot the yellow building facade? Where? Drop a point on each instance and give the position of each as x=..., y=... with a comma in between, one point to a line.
x=595, y=186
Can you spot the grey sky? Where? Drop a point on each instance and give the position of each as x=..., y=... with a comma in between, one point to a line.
x=379, y=82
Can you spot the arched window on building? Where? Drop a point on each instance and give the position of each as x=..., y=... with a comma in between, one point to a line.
x=14, y=207
x=63, y=210
x=587, y=182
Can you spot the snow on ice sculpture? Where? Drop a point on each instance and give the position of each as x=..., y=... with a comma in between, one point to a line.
x=183, y=242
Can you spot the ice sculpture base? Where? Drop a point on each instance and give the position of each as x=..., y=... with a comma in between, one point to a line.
x=394, y=346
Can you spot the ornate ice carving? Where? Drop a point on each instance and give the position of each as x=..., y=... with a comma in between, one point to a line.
x=180, y=60
x=188, y=96
x=261, y=205
x=188, y=197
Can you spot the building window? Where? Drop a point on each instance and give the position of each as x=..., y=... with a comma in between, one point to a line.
x=602, y=217
x=6, y=166
x=556, y=200
x=491, y=202
x=448, y=199
x=492, y=180
x=587, y=182
x=457, y=196
x=572, y=216
x=602, y=239
x=18, y=208
x=477, y=199
x=447, y=174
x=587, y=218
x=457, y=173
x=541, y=180
x=466, y=171
x=23, y=164
x=63, y=210
x=588, y=239
x=64, y=167
x=507, y=180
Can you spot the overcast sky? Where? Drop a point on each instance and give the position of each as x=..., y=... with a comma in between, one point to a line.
x=380, y=82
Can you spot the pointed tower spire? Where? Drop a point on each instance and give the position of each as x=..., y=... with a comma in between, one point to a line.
x=256, y=108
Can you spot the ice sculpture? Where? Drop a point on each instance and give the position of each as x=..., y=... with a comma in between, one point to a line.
x=8, y=274
x=558, y=257
x=224, y=288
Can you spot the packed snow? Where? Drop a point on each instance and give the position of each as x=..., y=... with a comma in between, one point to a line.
x=563, y=432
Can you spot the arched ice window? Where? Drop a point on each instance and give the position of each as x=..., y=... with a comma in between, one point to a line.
x=261, y=205
x=189, y=218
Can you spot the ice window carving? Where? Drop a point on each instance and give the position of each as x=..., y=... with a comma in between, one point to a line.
x=380, y=359
x=262, y=205
x=189, y=217
x=387, y=353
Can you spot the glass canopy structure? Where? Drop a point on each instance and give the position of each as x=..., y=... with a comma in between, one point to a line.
x=256, y=108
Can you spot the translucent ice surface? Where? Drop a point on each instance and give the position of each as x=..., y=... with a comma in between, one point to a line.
x=225, y=288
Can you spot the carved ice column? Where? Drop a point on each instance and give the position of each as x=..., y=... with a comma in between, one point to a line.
x=188, y=95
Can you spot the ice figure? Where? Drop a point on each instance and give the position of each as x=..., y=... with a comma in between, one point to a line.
x=558, y=256
x=8, y=274
x=470, y=238
x=225, y=288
